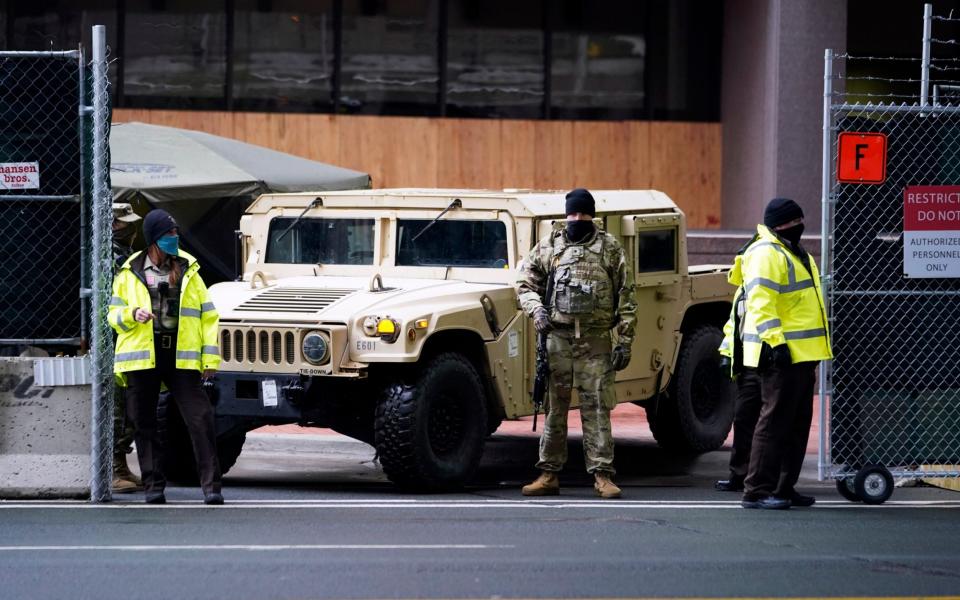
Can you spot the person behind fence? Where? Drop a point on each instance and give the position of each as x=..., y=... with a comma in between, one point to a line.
x=576, y=286
x=749, y=398
x=125, y=226
x=785, y=337
x=167, y=334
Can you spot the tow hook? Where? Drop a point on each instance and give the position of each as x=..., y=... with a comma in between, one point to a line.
x=210, y=387
x=293, y=392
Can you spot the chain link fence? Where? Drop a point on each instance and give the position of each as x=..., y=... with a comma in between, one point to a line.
x=55, y=222
x=892, y=392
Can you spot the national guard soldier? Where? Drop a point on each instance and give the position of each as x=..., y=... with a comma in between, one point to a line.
x=785, y=337
x=125, y=226
x=576, y=286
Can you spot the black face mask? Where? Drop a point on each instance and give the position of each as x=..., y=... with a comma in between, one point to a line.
x=577, y=231
x=792, y=234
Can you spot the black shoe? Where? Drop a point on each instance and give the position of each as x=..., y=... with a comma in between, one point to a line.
x=213, y=498
x=729, y=485
x=156, y=498
x=801, y=500
x=767, y=502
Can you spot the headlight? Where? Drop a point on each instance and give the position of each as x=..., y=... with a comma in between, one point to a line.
x=316, y=347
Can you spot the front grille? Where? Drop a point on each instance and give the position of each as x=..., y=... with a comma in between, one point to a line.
x=295, y=300
x=263, y=347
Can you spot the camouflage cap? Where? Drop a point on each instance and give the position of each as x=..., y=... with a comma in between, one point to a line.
x=122, y=211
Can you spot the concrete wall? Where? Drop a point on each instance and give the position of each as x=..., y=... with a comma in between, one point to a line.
x=44, y=435
x=772, y=103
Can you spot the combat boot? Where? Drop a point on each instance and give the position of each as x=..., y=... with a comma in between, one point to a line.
x=548, y=484
x=605, y=487
x=124, y=482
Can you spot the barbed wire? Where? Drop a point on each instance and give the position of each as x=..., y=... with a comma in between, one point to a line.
x=846, y=56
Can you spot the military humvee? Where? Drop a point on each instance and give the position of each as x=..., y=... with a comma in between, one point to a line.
x=391, y=316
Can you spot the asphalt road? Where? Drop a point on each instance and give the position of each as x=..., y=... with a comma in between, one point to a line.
x=314, y=518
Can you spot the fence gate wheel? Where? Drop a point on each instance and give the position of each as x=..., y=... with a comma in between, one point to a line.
x=845, y=487
x=873, y=484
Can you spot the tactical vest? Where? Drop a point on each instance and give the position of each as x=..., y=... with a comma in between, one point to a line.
x=582, y=286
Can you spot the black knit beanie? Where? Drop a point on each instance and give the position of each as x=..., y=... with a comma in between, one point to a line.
x=156, y=224
x=581, y=201
x=780, y=211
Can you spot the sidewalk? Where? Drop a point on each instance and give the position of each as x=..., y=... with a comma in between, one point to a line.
x=629, y=422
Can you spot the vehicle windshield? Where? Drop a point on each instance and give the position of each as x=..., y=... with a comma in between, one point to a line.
x=452, y=243
x=321, y=241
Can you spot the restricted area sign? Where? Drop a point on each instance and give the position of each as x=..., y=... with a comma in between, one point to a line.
x=862, y=158
x=931, y=231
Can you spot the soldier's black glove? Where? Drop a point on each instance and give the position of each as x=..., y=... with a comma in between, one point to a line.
x=781, y=356
x=620, y=357
x=726, y=366
x=541, y=320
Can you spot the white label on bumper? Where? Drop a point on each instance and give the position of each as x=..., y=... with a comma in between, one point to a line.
x=268, y=390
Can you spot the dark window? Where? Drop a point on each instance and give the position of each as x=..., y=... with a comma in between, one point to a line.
x=323, y=241
x=390, y=63
x=175, y=53
x=59, y=25
x=284, y=56
x=495, y=59
x=599, y=64
x=656, y=250
x=481, y=244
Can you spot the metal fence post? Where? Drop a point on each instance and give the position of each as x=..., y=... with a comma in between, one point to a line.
x=823, y=450
x=925, y=62
x=101, y=467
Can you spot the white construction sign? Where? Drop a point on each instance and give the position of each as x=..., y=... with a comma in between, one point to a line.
x=931, y=231
x=20, y=176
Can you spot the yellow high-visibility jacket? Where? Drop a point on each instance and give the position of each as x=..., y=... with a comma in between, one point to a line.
x=197, y=331
x=784, y=302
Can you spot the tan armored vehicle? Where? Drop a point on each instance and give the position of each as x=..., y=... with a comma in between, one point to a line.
x=391, y=316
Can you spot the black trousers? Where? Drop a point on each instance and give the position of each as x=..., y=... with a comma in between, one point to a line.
x=745, y=417
x=186, y=390
x=780, y=439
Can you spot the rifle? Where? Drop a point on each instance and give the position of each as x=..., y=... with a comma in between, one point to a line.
x=543, y=373
x=543, y=360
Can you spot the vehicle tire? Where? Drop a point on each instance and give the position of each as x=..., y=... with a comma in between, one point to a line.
x=429, y=431
x=179, y=465
x=846, y=489
x=873, y=484
x=696, y=412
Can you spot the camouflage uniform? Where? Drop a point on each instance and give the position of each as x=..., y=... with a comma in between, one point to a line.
x=592, y=294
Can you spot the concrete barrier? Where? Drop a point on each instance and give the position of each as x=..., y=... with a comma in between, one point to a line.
x=44, y=435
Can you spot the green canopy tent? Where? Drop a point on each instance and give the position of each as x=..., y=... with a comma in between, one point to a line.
x=206, y=182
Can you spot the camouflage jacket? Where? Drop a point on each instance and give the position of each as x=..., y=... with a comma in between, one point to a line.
x=591, y=282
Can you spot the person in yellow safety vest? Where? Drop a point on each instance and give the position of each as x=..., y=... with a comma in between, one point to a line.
x=785, y=336
x=167, y=330
x=749, y=398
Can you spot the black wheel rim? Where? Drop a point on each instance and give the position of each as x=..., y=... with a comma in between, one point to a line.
x=704, y=395
x=445, y=425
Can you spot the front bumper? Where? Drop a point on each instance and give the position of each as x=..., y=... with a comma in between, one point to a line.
x=267, y=397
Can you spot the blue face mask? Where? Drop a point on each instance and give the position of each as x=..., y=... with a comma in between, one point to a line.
x=169, y=244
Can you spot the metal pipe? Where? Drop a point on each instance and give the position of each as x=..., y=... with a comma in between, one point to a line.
x=825, y=206
x=898, y=109
x=41, y=341
x=72, y=54
x=101, y=429
x=925, y=63
x=903, y=293
x=74, y=198
x=83, y=112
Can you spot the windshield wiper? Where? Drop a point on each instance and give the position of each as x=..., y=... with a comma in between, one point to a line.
x=316, y=202
x=455, y=204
